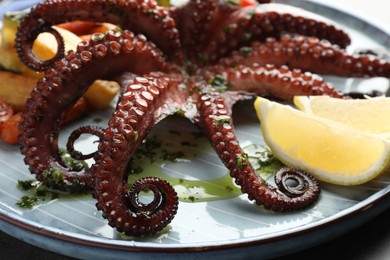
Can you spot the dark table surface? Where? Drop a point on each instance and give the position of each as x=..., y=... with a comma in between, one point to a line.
x=369, y=241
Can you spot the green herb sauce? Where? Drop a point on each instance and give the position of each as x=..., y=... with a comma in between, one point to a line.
x=179, y=151
x=36, y=192
x=154, y=157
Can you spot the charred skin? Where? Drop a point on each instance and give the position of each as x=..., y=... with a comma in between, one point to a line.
x=183, y=49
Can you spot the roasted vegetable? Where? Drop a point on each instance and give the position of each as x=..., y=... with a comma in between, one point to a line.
x=100, y=93
x=15, y=89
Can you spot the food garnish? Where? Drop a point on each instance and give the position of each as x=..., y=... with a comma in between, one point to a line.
x=330, y=151
x=369, y=115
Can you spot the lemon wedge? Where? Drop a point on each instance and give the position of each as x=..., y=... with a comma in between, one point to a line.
x=369, y=115
x=330, y=151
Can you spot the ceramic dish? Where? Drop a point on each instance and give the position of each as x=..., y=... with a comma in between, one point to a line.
x=230, y=227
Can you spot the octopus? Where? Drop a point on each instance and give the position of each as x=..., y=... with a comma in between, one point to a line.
x=195, y=60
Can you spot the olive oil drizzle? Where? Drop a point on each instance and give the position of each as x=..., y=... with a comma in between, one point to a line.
x=155, y=155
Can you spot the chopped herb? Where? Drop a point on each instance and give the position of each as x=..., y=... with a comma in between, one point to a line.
x=53, y=175
x=97, y=120
x=97, y=36
x=171, y=156
x=135, y=136
x=26, y=185
x=36, y=192
x=222, y=119
x=136, y=170
x=182, y=86
x=27, y=202
x=246, y=50
x=76, y=182
x=73, y=164
x=147, y=148
x=41, y=193
x=234, y=2
x=179, y=112
x=149, y=12
x=262, y=159
x=194, y=89
x=119, y=29
x=247, y=36
x=241, y=161
x=229, y=28
x=219, y=83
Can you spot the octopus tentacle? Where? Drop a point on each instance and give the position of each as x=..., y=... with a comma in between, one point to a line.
x=194, y=20
x=215, y=121
x=209, y=69
x=250, y=24
x=136, y=113
x=62, y=86
x=299, y=179
x=281, y=83
x=97, y=131
x=309, y=54
x=139, y=17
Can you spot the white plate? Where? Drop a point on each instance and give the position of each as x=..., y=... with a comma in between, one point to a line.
x=227, y=228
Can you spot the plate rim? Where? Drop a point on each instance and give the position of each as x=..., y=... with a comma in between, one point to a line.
x=375, y=200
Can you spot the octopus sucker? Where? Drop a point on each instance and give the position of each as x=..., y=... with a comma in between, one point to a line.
x=238, y=26
x=126, y=131
x=271, y=81
x=43, y=124
x=137, y=16
x=195, y=60
x=308, y=54
x=215, y=121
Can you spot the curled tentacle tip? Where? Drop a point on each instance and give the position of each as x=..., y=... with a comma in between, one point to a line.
x=163, y=193
x=92, y=130
x=293, y=182
x=159, y=211
x=24, y=48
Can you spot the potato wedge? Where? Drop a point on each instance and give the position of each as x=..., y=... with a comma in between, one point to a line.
x=15, y=89
x=101, y=92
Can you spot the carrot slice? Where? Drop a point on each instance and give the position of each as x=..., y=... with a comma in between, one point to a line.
x=9, y=131
x=79, y=109
x=6, y=112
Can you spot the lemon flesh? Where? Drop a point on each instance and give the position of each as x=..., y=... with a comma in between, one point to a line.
x=330, y=151
x=370, y=115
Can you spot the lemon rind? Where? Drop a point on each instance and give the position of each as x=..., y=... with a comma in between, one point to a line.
x=305, y=103
x=376, y=169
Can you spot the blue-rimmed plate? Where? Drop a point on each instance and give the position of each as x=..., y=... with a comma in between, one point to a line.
x=229, y=228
